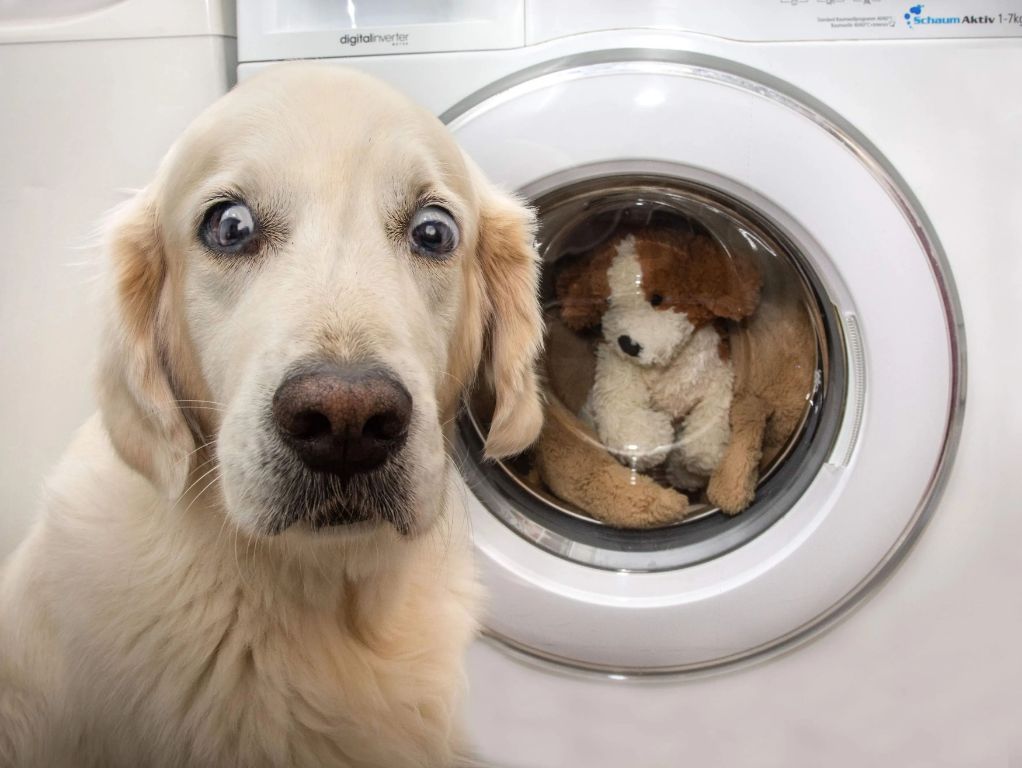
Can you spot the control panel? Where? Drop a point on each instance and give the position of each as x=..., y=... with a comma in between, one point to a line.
x=781, y=20
x=270, y=30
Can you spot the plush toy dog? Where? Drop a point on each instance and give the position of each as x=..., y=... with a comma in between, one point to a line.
x=766, y=363
x=664, y=380
x=774, y=359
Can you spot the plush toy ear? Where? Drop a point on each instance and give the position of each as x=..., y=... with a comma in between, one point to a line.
x=583, y=289
x=140, y=411
x=738, y=280
x=510, y=272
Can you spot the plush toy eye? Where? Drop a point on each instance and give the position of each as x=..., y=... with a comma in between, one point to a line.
x=228, y=227
x=432, y=232
x=656, y=299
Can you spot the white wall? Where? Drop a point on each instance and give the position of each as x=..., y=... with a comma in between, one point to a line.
x=82, y=124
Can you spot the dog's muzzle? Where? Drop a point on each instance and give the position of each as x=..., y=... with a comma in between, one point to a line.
x=342, y=419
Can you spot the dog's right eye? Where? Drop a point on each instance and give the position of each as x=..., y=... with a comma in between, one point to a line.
x=228, y=227
x=656, y=299
x=433, y=232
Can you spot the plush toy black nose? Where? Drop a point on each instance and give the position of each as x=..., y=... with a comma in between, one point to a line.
x=628, y=346
x=342, y=419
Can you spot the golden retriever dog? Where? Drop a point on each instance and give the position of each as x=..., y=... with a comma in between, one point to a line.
x=257, y=553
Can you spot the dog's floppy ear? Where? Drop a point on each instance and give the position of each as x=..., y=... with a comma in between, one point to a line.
x=510, y=271
x=139, y=409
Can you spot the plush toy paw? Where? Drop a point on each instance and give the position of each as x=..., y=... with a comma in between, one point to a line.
x=659, y=506
x=732, y=485
x=730, y=496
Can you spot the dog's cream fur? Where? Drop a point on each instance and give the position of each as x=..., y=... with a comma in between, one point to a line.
x=150, y=619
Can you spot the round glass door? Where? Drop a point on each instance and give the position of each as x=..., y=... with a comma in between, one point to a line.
x=685, y=290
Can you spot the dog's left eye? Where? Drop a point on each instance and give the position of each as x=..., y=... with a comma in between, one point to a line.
x=433, y=232
x=228, y=227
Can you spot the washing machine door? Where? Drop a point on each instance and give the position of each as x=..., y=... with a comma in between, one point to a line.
x=617, y=151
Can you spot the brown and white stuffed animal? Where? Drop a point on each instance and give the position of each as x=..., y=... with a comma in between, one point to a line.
x=664, y=380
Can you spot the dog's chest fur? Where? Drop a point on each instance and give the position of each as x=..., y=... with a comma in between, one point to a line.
x=222, y=661
x=256, y=686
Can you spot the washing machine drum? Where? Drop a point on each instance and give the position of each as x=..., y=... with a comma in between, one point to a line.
x=752, y=374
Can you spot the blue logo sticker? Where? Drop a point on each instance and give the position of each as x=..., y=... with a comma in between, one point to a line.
x=913, y=14
x=915, y=18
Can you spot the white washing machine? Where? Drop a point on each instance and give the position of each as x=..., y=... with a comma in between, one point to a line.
x=865, y=156
x=92, y=93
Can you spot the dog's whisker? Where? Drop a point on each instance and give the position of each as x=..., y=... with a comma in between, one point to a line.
x=237, y=562
x=198, y=406
x=197, y=468
x=198, y=480
x=248, y=546
x=189, y=455
x=453, y=454
x=223, y=527
x=462, y=385
x=156, y=413
x=210, y=484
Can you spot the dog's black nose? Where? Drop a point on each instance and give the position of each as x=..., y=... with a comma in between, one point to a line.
x=628, y=346
x=342, y=419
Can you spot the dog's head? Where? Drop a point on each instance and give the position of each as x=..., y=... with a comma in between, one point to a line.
x=301, y=296
x=652, y=289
